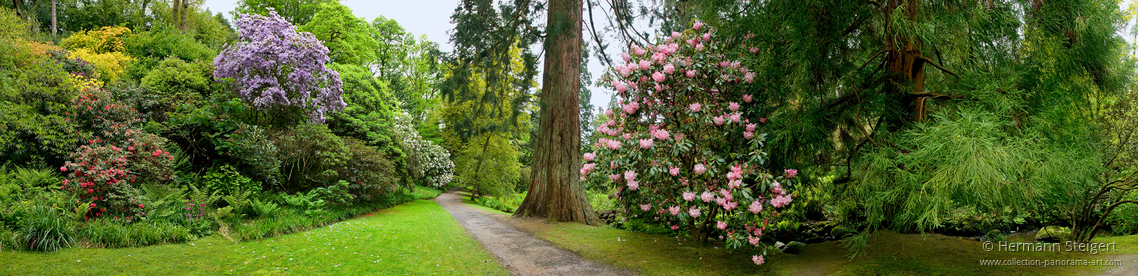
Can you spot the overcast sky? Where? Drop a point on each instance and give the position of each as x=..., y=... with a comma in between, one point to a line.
x=430, y=17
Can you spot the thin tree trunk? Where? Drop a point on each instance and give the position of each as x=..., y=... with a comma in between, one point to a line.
x=478, y=167
x=53, y=19
x=555, y=191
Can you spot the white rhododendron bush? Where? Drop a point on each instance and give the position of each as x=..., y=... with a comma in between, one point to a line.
x=685, y=147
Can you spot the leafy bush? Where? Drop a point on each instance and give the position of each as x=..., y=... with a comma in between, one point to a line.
x=227, y=181
x=108, y=66
x=163, y=41
x=213, y=134
x=1124, y=219
x=310, y=155
x=367, y=172
x=337, y=194
x=104, y=40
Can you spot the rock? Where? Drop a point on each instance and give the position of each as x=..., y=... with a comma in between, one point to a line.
x=793, y=247
x=1052, y=234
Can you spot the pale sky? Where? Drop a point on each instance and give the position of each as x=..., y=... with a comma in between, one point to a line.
x=430, y=17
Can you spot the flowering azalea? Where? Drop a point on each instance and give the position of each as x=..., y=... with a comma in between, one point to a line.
x=721, y=225
x=658, y=77
x=700, y=168
x=747, y=98
x=645, y=207
x=707, y=197
x=675, y=210
x=645, y=143
x=694, y=212
x=694, y=107
x=674, y=171
x=733, y=106
x=590, y=156
x=758, y=259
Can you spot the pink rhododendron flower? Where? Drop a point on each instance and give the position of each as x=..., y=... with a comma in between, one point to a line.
x=763, y=120
x=748, y=135
x=751, y=127
x=777, y=188
x=747, y=98
x=699, y=47
x=645, y=207
x=629, y=175
x=612, y=165
x=694, y=212
x=587, y=168
x=749, y=77
x=658, y=76
x=707, y=196
x=614, y=177
x=725, y=63
x=730, y=205
x=791, y=173
x=674, y=227
x=626, y=71
x=674, y=172
x=697, y=25
x=631, y=107
x=625, y=56
x=720, y=201
x=700, y=168
x=669, y=68
x=756, y=206
x=721, y=225
x=661, y=134
x=63, y=168
x=639, y=51
x=590, y=156
x=781, y=200
x=675, y=210
x=633, y=185
x=707, y=37
x=753, y=240
x=644, y=64
x=608, y=113
x=733, y=106
x=758, y=259
x=619, y=86
x=689, y=196
x=695, y=106
x=690, y=73
x=735, y=117
x=645, y=143
x=718, y=120
x=754, y=50
x=736, y=64
x=626, y=136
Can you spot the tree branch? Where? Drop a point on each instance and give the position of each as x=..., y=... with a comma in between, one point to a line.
x=934, y=64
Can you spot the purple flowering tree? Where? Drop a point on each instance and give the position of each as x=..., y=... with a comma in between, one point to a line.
x=279, y=70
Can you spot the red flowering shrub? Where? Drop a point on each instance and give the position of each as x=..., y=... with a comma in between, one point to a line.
x=102, y=171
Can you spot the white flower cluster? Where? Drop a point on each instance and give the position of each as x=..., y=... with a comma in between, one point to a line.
x=426, y=160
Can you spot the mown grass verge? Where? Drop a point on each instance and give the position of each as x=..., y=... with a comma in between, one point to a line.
x=416, y=238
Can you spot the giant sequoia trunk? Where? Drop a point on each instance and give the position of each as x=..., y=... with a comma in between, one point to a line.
x=555, y=191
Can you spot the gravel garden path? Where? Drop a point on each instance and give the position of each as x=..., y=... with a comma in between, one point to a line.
x=520, y=253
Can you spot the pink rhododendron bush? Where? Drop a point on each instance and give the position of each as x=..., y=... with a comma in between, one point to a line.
x=684, y=148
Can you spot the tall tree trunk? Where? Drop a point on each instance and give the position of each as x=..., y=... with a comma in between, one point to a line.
x=905, y=66
x=555, y=191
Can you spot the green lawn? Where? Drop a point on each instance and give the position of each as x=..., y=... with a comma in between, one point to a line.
x=889, y=254
x=417, y=238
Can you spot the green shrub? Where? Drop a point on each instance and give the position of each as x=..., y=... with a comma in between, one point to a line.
x=8, y=239
x=337, y=194
x=1124, y=219
x=227, y=181
x=213, y=134
x=308, y=203
x=309, y=155
x=368, y=174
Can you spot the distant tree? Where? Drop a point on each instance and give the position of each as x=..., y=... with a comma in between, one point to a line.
x=299, y=12
x=346, y=36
